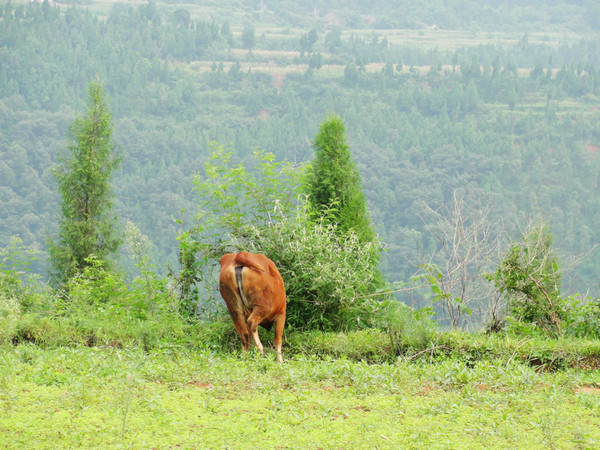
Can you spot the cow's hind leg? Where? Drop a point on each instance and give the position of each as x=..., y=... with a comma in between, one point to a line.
x=242, y=329
x=277, y=341
x=256, y=318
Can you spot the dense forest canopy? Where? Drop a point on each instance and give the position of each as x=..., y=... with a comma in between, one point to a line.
x=494, y=101
x=487, y=15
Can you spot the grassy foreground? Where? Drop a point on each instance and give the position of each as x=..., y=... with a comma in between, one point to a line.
x=66, y=397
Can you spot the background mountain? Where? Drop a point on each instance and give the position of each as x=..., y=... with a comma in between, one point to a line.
x=493, y=102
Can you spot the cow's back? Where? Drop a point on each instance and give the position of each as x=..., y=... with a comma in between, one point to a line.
x=261, y=283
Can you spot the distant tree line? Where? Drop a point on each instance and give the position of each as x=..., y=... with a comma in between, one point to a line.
x=474, y=123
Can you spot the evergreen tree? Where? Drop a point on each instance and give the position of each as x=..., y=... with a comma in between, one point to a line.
x=334, y=192
x=334, y=185
x=87, y=222
x=248, y=37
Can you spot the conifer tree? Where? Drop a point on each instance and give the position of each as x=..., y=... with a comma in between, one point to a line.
x=334, y=185
x=87, y=223
x=334, y=192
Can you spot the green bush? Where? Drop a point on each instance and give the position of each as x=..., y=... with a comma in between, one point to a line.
x=16, y=287
x=530, y=277
x=10, y=314
x=230, y=197
x=408, y=330
x=49, y=330
x=99, y=307
x=328, y=277
x=582, y=316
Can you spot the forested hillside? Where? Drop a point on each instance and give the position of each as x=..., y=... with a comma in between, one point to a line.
x=494, y=103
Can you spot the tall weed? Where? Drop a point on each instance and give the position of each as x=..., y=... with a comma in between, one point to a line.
x=408, y=330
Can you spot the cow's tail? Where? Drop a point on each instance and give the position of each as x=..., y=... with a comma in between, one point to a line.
x=245, y=259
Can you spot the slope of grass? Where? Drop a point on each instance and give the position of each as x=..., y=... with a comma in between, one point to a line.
x=113, y=398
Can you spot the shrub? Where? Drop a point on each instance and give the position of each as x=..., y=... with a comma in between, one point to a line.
x=10, y=314
x=100, y=307
x=328, y=276
x=408, y=330
x=530, y=277
x=230, y=197
x=16, y=281
x=583, y=316
x=49, y=330
x=16, y=293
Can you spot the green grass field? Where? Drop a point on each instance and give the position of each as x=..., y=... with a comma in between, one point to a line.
x=174, y=398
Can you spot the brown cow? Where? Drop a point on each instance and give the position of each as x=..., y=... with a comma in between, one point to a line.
x=253, y=290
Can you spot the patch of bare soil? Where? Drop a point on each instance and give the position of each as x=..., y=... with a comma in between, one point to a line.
x=593, y=390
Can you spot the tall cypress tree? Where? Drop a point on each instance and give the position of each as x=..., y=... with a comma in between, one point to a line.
x=87, y=224
x=333, y=182
x=334, y=192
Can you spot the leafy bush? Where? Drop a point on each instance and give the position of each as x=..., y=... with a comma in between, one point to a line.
x=100, y=307
x=10, y=314
x=328, y=276
x=530, y=277
x=583, y=316
x=50, y=330
x=16, y=281
x=408, y=330
x=230, y=197
x=16, y=288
